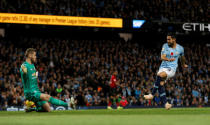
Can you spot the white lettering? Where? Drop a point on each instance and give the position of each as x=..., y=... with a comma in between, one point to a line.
x=196, y=27
x=201, y=27
x=208, y=27
x=12, y=109
x=187, y=27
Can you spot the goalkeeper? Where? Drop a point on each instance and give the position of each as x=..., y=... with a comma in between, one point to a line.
x=31, y=91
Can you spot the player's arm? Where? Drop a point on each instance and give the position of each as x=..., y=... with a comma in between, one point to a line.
x=183, y=59
x=183, y=62
x=118, y=83
x=24, y=69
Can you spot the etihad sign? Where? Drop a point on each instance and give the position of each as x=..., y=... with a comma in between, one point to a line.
x=196, y=27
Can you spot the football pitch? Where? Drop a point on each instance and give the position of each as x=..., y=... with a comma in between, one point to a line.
x=146, y=116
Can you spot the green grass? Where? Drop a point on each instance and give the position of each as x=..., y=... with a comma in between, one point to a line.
x=154, y=116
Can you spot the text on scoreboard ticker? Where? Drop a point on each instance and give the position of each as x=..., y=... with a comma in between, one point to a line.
x=61, y=20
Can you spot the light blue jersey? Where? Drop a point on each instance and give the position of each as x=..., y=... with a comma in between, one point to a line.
x=171, y=53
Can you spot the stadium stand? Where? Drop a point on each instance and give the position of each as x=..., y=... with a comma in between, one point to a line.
x=161, y=10
x=82, y=68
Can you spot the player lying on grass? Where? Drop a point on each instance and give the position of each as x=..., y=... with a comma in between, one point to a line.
x=31, y=91
x=170, y=53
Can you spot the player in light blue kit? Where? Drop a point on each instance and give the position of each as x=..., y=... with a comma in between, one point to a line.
x=170, y=53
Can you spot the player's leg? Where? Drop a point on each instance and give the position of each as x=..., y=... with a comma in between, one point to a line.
x=168, y=74
x=110, y=98
x=119, y=107
x=54, y=101
x=42, y=106
x=161, y=88
x=109, y=102
x=161, y=76
x=30, y=104
x=46, y=107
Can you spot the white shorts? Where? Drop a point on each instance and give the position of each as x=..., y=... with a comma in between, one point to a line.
x=170, y=73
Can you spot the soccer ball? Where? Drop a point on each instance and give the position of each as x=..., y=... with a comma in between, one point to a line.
x=30, y=104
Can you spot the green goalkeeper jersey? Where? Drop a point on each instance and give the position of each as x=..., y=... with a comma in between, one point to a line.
x=29, y=79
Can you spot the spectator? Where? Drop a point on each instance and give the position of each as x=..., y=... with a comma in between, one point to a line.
x=137, y=93
x=89, y=99
x=157, y=100
x=164, y=11
x=83, y=66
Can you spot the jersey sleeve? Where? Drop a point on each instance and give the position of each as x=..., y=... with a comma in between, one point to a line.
x=163, y=51
x=21, y=68
x=23, y=75
x=181, y=51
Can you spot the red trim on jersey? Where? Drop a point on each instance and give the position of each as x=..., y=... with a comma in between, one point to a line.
x=123, y=103
x=113, y=81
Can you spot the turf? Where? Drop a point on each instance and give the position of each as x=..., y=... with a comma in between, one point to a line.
x=154, y=116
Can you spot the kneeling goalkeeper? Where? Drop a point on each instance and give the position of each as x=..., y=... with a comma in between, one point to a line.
x=29, y=77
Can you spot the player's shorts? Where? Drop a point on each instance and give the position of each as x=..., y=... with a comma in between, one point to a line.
x=112, y=91
x=35, y=97
x=170, y=73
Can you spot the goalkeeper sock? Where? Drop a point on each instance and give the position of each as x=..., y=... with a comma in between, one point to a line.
x=156, y=85
x=58, y=102
x=162, y=94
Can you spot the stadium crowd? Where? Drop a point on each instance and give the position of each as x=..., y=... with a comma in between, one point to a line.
x=161, y=10
x=82, y=69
